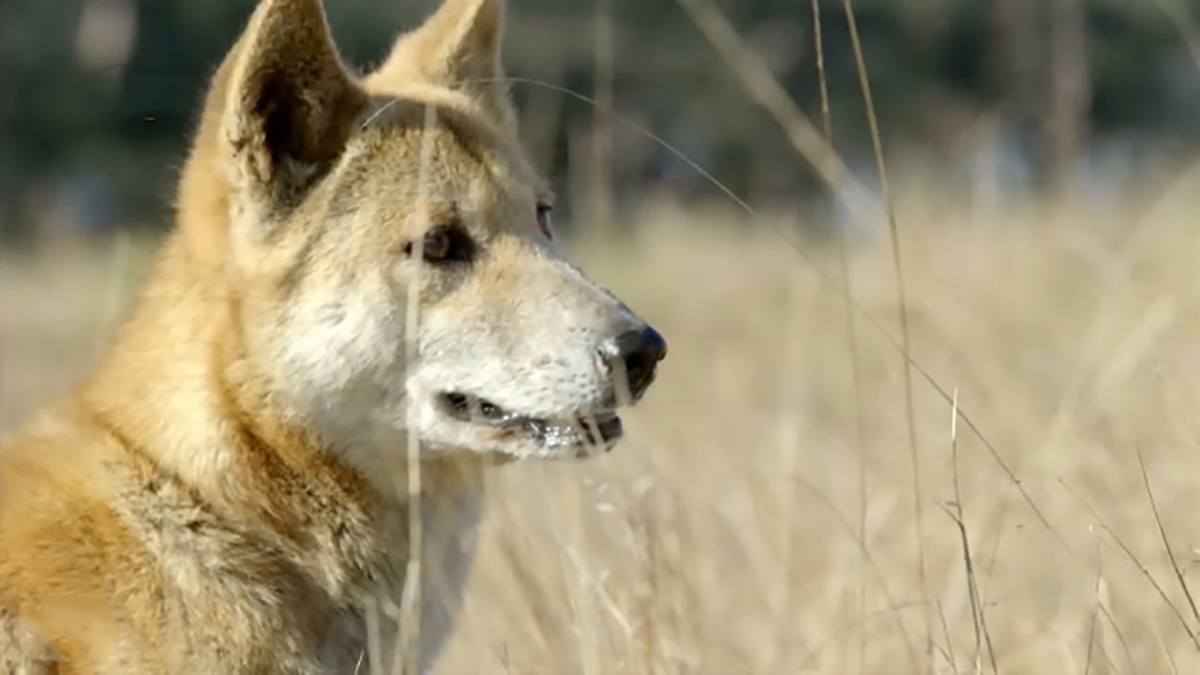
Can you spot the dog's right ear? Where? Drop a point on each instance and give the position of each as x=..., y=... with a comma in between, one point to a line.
x=289, y=108
x=459, y=46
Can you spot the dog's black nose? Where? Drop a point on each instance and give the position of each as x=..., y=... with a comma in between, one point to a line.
x=637, y=352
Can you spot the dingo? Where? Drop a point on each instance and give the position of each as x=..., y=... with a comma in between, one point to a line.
x=220, y=495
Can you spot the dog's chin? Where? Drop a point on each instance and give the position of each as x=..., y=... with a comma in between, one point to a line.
x=515, y=436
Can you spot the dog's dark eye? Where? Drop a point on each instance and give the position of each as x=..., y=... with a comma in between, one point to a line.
x=444, y=244
x=543, y=218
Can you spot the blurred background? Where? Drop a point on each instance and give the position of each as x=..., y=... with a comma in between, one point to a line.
x=794, y=495
x=998, y=98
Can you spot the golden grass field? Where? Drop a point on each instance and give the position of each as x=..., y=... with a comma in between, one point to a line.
x=747, y=526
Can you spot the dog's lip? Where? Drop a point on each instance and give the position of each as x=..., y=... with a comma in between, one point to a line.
x=596, y=428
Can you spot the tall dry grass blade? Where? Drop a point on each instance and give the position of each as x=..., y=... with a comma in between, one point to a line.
x=410, y=623
x=822, y=78
x=1137, y=563
x=1102, y=603
x=1112, y=623
x=758, y=82
x=1094, y=618
x=371, y=614
x=950, y=658
x=1162, y=645
x=602, y=138
x=1162, y=532
x=851, y=338
x=1096, y=631
x=902, y=303
x=982, y=635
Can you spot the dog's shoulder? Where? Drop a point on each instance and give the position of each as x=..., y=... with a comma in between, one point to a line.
x=112, y=565
x=62, y=545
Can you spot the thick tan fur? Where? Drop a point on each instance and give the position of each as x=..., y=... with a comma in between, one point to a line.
x=221, y=494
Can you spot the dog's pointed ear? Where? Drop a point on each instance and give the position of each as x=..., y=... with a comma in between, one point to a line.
x=289, y=103
x=458, y=47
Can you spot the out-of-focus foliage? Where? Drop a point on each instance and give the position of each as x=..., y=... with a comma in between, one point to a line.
x=99, y=96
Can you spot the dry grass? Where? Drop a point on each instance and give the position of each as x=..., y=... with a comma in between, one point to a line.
x=722, y=536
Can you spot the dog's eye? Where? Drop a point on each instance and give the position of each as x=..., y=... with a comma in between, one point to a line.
x=444, y=244
x=543, y=218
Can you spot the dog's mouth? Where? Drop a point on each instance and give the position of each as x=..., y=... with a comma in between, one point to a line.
x=591, y=429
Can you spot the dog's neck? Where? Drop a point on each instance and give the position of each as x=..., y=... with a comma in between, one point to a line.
x=173, y=398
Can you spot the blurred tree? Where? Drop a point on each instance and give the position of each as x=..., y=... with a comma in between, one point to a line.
x=1058, y=72
x=1069, y=95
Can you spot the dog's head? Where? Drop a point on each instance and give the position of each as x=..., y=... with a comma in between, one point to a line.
x=392, y=250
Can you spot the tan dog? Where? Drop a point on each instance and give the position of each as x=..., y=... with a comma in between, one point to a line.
x=224, y=494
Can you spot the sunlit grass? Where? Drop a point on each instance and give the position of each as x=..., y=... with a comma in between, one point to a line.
x=722, y=535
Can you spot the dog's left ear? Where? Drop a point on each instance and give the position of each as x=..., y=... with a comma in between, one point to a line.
x=289, y=104
x=458, y=47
